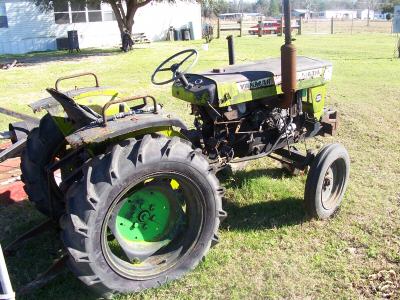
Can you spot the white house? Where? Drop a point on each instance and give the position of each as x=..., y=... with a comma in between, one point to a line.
x=24, y=28
x=338, y=14
x=347, y=14
x=363, y=14
x=305, y=14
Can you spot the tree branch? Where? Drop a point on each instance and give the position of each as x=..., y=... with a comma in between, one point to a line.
x=117, y=12
x=143, y=3
x=121, y=8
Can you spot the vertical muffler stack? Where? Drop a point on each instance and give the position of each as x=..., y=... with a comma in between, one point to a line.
x=288, y=60
x=231, y=50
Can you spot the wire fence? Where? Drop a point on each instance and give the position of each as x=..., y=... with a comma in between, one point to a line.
x=354, y=26
x=311, y=26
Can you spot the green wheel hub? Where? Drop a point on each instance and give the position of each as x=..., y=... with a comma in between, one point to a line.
x=145, y=219
x=145, y=216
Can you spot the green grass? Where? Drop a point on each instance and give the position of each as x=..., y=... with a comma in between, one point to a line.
x=268, y=247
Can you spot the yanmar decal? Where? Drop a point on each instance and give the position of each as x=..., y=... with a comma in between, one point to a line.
x=277, y=80
x=256, y=84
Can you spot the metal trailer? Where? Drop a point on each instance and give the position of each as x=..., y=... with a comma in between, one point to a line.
x=6, y=292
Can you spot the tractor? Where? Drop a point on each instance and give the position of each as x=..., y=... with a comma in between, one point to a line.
x=135, y=192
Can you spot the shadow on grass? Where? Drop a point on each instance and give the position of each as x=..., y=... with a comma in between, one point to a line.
x=33, y=58
x=363, y=58
x=239, y=178
x=262, y=215
x=36, y=255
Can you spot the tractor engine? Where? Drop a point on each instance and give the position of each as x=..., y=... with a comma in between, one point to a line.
x=241, y=110
x=244, y=130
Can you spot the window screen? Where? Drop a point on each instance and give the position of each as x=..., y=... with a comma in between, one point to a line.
x=95, y=16
x=61, y=7
x=78, y=17
x=93, y=6
x=109, y=16
x=78, y=6
x=78, y=12
x=3, y=15
x=61, y=18
x=3, y=22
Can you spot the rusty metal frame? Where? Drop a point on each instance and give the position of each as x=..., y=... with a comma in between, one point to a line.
x=124, y=100
x=17, y=115
x=13, y=151
x=330, y=122
x=52, y=272
x=76, y=76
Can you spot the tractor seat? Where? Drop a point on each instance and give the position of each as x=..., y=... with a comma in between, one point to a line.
x=80, y=115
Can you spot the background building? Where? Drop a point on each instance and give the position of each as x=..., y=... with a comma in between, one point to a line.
x=24, y=28
x=345, y=14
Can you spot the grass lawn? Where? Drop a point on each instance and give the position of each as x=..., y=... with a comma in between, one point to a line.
x=268, y=249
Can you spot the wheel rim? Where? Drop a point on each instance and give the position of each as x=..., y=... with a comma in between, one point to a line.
x=333, y=184
x=151, y=226
x=145, y=216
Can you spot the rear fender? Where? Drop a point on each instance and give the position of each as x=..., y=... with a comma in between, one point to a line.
x=93, y=97
x=128, y=127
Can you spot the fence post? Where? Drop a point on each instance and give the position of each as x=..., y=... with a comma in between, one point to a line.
x=300, y=25
x=281, y=29
x=218, y=28
x=352, y=25
x=332, y=29
x=259, y=28
x=241, y=27
x=398, y=47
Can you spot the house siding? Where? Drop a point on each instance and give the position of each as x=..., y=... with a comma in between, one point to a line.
x=29, y=29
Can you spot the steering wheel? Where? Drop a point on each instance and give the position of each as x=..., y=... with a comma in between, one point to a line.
x=176, y=73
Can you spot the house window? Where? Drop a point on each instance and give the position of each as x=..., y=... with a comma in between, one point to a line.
x=3, y=16
x=94, y=12
x=61, y=13
x=109, y=16
x=77, y=12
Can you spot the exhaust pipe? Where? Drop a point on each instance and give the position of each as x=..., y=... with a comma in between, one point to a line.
x=231, y=50
x=288, y=60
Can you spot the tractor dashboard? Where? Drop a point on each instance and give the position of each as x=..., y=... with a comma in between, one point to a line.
x=247, y=82
x=199, y=91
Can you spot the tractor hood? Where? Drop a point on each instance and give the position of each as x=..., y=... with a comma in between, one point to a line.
x=246, y=82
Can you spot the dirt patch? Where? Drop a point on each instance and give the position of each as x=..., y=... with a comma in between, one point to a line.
x=384, y=284
x=10, y=65
x=30, y=60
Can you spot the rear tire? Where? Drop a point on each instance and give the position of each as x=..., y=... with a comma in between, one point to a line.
x=327, y=181
x=135, y=165
x=42, y=145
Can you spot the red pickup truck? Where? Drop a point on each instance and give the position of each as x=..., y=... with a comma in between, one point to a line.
x=270, y=27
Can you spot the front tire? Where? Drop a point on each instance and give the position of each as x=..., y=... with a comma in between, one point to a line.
x=327, y=181
x=143, y=214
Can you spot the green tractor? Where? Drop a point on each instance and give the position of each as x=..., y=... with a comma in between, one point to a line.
x=135, y=192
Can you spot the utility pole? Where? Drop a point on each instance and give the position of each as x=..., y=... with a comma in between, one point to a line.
x=369, y=2
x=371, y=5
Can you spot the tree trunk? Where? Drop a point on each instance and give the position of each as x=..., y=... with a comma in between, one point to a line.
x=125, y=19
x=120, y=16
